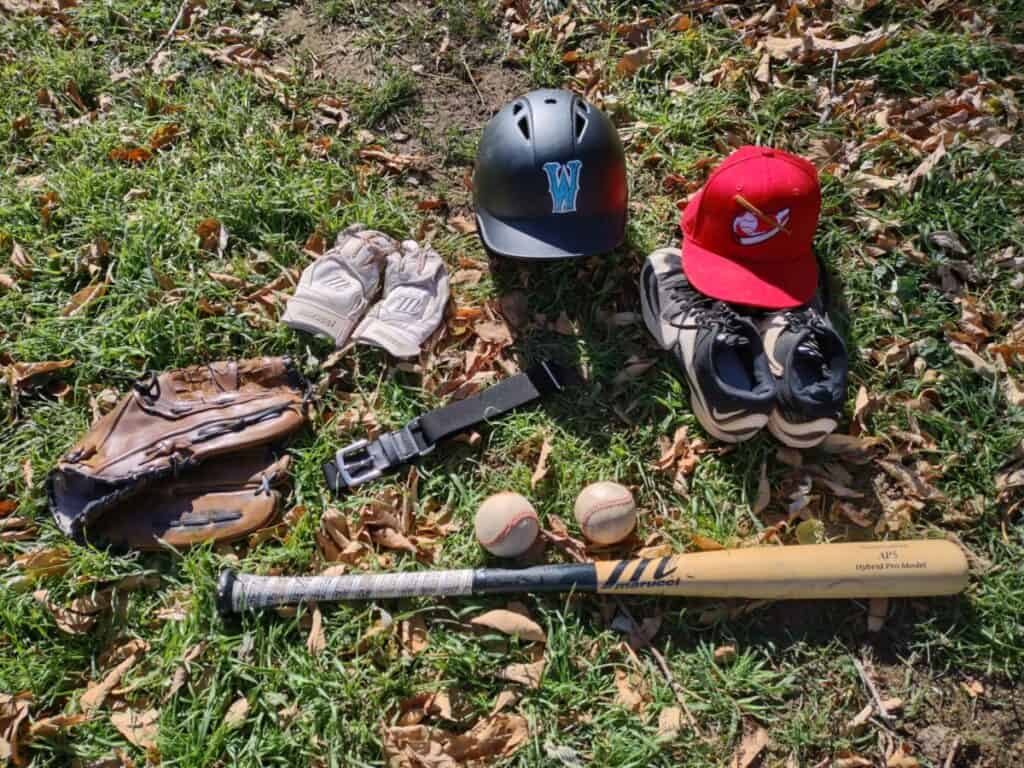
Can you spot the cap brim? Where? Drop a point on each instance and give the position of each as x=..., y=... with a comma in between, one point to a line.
x=541, y=239
x=766, y=284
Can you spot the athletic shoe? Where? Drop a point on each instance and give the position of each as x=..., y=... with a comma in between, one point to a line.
x=809, y=362
x=731, y=388
x=415, y=293
x=336, y=289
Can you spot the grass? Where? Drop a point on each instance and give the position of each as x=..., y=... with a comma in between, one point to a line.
x=239, y=162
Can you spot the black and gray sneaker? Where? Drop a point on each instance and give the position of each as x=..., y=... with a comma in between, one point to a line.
x=809, y=362
x=731, y=389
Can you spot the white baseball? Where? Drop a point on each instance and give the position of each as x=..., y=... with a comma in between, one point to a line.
x=506, y=524
x=606, y=512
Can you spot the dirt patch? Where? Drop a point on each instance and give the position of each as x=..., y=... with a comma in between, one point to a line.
x=338, y=51
x=459, y=86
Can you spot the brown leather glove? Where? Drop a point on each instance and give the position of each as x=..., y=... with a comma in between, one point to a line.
x=187, y=456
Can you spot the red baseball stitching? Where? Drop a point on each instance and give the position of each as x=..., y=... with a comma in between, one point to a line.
x=509, y=526
x=601, y=507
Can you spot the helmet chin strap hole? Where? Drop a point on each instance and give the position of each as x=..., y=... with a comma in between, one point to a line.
x=524, y=127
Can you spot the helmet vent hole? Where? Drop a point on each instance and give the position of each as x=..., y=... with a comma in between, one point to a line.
x=517, y=108
x=550, y=101
x=524, y=127
x=581, y=126
x=583, y=107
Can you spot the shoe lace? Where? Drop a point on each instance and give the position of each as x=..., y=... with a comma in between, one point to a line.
x=810, y=347
x=702, y=312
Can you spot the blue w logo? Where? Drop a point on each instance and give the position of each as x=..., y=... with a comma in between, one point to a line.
x=563, y=184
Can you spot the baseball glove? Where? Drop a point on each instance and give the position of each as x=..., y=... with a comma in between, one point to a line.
x=189, y=455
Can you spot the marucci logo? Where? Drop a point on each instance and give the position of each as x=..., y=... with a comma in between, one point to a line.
x=661, y=572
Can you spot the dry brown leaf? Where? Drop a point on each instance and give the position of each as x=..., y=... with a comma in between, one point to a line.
x=97, y=693
x=925, y=168
x=626, y=694
x=972, y=359
x=528, y=673
x=421, y=706
x=670, y=722
x=140, y=728
x=511, y=623
x=755, y=739
x=20, y=261
x=389, y=538
x=13, y=716
x=83, y=298
x=902, y=757
x=974, y=688
x=164, y=136
x=131, y=155
x=847, y=759
x=541, y=470
x=213, y=236
x=495, y=332
x=764, y=491
x=505, y=699
x=725, y=654
x=48, y=727
x=317, y=640
x=79, y=617
x=235, y=716
x=704, y=543
x=633, y=61
x=48, y=561
x=413, y=635
x=181, y=672
x=464, y=225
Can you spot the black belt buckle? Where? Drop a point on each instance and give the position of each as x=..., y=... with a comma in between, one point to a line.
x=366, y=460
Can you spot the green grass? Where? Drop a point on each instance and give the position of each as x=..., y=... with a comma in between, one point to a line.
x=239, y=162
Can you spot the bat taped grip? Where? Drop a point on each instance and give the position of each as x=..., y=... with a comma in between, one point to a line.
x=241, y=592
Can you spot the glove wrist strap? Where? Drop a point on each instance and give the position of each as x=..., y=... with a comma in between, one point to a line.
x=365, y=460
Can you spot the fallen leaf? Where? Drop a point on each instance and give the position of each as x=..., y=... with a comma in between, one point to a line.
x=13, y=716
x=705, y=544
x=389, y=538
x=947, y=241
x=764, y=491
x=164, y=136
x=140, y=728
x=626, y=695
x=48, y=727
x=413, y=635
x=79, y=617
x=317, y=640
x=670, y=722
x=902, y=757
x=973, y=687
x=633, y=60
x=847, y=759
x=505, y=699
x=181, y=672
x=22, y=264
x=131, y=155
x=511, y=623
x=528, y=673
x=236, y=714
x=755, y=739
x=46, y=561
x=97, y=693
x=495, y=332
x=213, y=236
x=725, y=654
x=541, y=470
x=83, y=298
x=417, y=708
x=464, y=225
x=925, y=168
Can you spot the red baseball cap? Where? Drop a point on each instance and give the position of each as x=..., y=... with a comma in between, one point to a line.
x=748, y=232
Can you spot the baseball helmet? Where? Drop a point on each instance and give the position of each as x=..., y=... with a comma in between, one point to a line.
x=550, y=179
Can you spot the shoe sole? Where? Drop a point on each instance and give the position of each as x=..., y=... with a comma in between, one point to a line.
x=715, y=428
x=800, y=434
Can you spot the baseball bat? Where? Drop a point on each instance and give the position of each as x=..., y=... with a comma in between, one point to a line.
x=852, y=570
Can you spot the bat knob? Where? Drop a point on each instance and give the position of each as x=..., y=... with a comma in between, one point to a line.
x=226, y=591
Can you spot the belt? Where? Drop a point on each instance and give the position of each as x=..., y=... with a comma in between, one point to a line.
x=366, y=460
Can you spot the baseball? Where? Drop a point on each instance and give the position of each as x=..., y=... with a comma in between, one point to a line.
x=506, y=524
x=606, y=512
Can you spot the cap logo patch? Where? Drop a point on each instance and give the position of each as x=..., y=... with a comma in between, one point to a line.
x=563, y=184
x=748, y=229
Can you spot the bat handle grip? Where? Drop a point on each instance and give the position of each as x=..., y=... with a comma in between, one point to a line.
x=226, y=592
